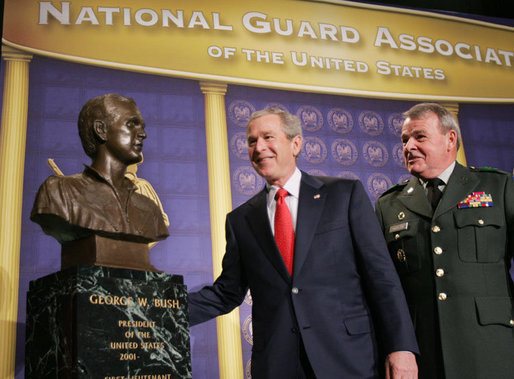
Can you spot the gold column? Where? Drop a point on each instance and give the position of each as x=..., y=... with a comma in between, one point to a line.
x=454, y=109
x=229, y=332
x=12, y=160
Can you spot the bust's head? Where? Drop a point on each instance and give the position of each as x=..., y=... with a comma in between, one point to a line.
x=114, y=123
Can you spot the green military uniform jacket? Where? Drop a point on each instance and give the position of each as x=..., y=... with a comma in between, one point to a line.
x=454, y=267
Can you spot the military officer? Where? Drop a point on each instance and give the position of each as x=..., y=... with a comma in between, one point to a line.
x=450, y=232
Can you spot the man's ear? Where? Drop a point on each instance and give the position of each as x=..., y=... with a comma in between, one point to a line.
x=100, y=130
x=452, y=140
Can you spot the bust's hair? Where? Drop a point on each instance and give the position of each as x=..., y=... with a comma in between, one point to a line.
x=447, y=121
x=290, y=123
x=97, y=109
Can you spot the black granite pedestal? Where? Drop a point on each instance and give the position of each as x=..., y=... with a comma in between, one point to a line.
x=99, y=322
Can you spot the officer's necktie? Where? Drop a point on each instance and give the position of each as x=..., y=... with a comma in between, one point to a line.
x=284, y=231
x=433, y=192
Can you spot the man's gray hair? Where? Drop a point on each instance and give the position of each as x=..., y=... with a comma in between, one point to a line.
x=447, y=121
x=290, y=123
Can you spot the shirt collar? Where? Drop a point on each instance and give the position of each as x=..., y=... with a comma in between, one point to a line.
x=444, y=176
x=88, y=170
x=292, y=185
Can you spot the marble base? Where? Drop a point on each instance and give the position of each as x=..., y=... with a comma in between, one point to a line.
x=101, y=322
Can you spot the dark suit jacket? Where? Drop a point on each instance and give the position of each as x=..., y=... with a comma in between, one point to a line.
x=453, y=264
x=344, y=295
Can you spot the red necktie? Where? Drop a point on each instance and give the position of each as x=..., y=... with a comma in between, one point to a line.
x=284, y=231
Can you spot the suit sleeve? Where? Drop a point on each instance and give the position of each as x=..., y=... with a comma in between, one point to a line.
x=381, y=283
x=229, y=289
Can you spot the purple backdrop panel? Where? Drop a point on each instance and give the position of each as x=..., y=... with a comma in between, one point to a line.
x=488, y=135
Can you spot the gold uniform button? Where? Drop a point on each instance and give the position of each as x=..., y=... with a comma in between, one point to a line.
x=295, y=290
x=436, y=229
x=439, y=272
x=442, y=296
x=396, y=236
x=400, y=254
x=511, y=322
x=438, y=250
x=481, y=222
x=401, y=216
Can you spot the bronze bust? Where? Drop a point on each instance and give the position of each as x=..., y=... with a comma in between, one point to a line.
x=97, y=215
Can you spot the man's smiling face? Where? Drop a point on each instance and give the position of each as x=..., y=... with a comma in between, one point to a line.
x=272, y=153
x=427, y=151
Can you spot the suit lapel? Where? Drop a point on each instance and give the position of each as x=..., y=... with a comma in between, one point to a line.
x=257, y=218
x=461, y=183
x=310, y=206
x=414, y=198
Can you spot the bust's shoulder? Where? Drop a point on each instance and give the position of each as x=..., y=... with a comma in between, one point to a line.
x=63, y=179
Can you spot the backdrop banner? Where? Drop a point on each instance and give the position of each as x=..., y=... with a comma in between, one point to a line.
x=323, y=46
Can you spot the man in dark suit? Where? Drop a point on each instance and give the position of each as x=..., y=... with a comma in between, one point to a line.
x=335, y=310
x=453, y=257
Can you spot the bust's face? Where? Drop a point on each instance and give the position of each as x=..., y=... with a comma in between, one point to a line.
x=126, y=134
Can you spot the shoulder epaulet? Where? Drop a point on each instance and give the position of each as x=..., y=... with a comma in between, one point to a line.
x=396, y=187
x=488, y=169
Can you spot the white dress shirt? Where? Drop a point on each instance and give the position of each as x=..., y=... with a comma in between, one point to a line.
x=293, y=187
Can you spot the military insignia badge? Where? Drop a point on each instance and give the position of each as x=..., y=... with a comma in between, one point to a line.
x=340, y=120
x=344, y=151
x=310, y=117
x=395, y=122
x=371, y=123
x=375, y=153
x=246, y=181
x=239, y=111
x=314, y=150
x=476, y=200
x=398, y=154
x=239, y=146
x=378, y=183
x=248, y=330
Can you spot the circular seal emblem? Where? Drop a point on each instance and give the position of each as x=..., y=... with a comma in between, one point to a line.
x=347, y=175
x=375, y=153
x=310, y=117
x=344, y=151
x=277, y=106
x=398, y=155
x=248, y=330
x=248, y=369
x=394, y=123
x=248, y=298
x=404, y=178
x=378, y=183
x=239, y=111
x=340, y=120
x=314, y=150
x=247, y=181
x=239, y=146
x=316, y=172
x=371, y=123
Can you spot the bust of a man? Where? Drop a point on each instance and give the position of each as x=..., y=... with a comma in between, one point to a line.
x=97, y=215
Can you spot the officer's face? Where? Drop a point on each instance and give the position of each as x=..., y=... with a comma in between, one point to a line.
x=427, y=151
x=124, y=139
x=272, y=154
